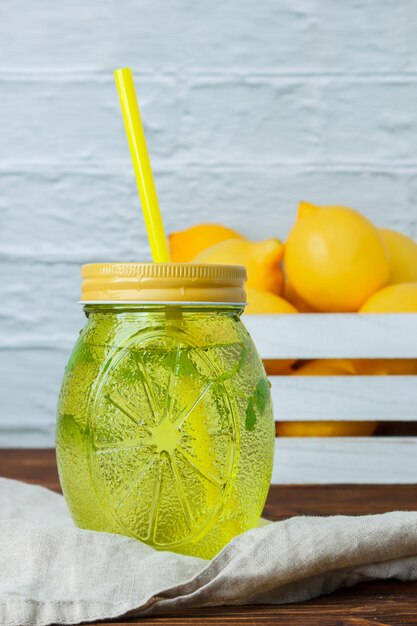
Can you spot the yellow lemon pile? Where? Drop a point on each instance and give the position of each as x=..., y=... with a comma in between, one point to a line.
x=334, y=260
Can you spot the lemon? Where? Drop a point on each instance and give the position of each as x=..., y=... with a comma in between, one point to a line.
x=330, y=367
x=325, y=367
x=278, y=367
x=335, y=258
x=403, y=251
x=325, y=429
x=400, y=298
x=266, y=302
x=292, y=296
x=262, y=260
x=385, y=367
x=185, y=244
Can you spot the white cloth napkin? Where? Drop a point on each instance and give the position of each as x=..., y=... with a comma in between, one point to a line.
x=52, y=572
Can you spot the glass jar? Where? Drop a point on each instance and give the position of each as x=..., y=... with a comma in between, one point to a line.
x=165, y=429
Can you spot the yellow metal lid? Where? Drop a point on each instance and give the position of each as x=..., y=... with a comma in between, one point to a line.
x=162, y=282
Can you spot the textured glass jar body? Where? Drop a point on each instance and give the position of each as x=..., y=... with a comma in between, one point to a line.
x=165, y=429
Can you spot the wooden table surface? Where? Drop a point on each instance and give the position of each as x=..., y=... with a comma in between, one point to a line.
x=389, y=602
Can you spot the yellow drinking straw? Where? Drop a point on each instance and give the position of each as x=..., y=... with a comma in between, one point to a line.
x=142, y=166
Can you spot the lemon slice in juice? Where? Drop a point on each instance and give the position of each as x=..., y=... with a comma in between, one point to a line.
x=162, y=439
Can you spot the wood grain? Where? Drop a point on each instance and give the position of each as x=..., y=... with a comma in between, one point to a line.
x=381, y=604
x=36, y=466
x=385, y=603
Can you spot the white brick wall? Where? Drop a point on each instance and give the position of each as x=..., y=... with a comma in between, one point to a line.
x=248, y=107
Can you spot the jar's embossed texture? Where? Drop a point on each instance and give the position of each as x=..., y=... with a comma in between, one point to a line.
x=165, y=428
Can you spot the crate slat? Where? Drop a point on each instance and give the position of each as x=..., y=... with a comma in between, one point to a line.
x=308, y=336
x=380, y=398
x=372, y=460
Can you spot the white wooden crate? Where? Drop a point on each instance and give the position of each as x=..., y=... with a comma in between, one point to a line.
x=380, y=398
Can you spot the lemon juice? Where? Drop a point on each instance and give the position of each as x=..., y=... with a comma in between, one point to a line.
x=165, y=430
